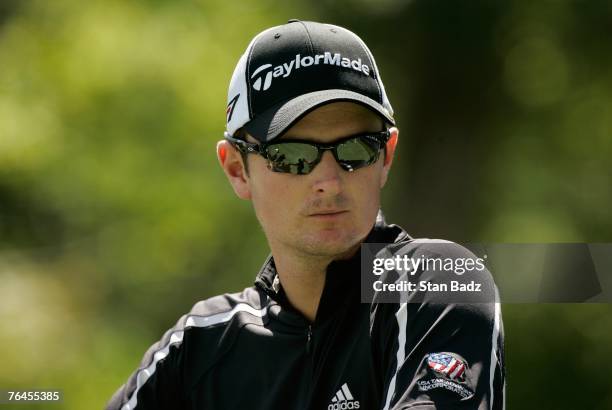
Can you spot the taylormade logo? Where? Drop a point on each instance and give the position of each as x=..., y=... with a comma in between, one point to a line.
x=263, y=74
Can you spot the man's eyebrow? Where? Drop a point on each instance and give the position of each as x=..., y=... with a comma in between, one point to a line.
x=249, y=138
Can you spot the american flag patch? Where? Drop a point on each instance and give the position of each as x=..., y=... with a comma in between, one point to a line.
x=448, y=365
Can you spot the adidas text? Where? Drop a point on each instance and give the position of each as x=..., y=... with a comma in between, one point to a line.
x=344, y=405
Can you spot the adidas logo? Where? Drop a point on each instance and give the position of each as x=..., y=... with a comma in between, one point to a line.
x=343, y=400
x=262, y=76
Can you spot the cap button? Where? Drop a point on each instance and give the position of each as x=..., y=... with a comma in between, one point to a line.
x=293, y=21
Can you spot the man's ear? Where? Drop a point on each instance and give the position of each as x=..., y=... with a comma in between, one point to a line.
x=391, y=145
x=231, y=162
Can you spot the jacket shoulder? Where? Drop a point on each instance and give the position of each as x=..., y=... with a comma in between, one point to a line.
x=212, y=326
x=248, y=300
x=187, y=350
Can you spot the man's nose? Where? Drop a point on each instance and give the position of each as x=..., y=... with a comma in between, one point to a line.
x=327, y=175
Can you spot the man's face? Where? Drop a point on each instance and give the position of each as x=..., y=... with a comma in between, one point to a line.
x=329, y=211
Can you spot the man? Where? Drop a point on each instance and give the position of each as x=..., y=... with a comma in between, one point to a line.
x=310, y=141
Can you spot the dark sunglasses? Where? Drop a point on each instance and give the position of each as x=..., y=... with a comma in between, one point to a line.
x=299, y=157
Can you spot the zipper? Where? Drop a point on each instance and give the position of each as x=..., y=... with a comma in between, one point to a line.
x=309, y=361
x=309, y=339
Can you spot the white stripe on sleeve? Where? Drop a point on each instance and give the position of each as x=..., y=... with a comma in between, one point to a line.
x=402, y=316
x=177, y=338
x=494, y=337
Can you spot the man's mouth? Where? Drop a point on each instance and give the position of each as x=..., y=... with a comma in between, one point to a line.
x=329, y=214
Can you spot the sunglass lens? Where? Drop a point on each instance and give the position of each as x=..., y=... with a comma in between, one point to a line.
x=292, y=157
x=358, y=152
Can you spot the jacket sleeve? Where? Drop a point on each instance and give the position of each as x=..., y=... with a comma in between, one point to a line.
x=157, y=383
x=436, y=352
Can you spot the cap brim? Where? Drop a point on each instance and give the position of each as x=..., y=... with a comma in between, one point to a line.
x=277, y=119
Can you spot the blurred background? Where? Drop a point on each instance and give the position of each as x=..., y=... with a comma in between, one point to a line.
x=115, y=217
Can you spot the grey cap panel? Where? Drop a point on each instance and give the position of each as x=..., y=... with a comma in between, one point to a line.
x=275, y=121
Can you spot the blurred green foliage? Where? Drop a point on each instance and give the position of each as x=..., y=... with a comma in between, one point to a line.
x=115, y=218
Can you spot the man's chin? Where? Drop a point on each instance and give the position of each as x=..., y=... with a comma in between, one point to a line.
x=336, y=244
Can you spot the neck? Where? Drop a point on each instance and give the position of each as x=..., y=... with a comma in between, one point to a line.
x=303, y=278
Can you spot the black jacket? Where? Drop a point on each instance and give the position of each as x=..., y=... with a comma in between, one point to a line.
x=253, y=350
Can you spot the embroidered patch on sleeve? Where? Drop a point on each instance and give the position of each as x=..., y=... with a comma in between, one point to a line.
x=426, y=385
x=448, y=365
x=450, y=371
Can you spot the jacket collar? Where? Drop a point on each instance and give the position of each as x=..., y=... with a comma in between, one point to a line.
x=267, y=278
